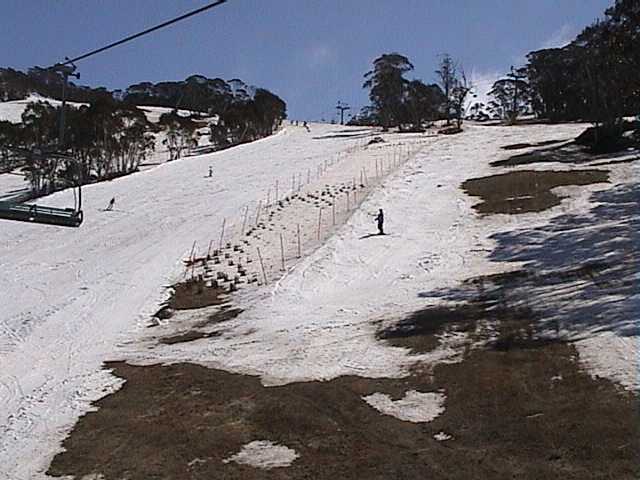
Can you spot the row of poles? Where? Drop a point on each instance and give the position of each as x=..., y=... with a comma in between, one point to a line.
x=380, y=168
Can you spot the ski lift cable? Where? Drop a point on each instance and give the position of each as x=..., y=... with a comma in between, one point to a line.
x=68, y=61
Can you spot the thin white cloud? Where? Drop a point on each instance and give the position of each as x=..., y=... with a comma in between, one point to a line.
x=319, y=55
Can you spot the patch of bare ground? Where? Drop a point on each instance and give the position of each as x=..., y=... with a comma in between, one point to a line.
x=520, y=146
x=220, y=316
x=519, y=407
x=189, y=336
x=526, y=190
x=194, y=293
x=419, y=331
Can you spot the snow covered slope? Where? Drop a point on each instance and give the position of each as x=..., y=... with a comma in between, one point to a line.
x=12, y=111
x=69, y=295
x=319, y=321
x=73, y=298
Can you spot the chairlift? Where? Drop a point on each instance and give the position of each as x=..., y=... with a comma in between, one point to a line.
x=34, y=213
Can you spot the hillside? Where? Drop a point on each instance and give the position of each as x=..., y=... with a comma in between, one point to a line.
x=498, y=307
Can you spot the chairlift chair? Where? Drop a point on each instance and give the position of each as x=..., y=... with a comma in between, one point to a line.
x=34, y=213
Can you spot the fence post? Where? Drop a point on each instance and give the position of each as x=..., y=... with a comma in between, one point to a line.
x=282, y=251
x=224, y=221
x=193, y=247
x=244, y=220
x=264, y=273
x=258, y=212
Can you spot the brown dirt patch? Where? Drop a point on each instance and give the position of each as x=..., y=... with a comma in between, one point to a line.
x=220, y=316
x=195, y=294
x=526, y=190
x=527, y=413
x=520, y=146
x=418, y=332
x=189, y=336
x=530, y=413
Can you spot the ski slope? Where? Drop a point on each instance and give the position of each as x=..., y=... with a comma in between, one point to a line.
x=12, y=111
x=319, y=320
x=70, y=295
x=74, y=298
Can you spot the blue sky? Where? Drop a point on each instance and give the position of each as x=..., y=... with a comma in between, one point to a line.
x=310, y=52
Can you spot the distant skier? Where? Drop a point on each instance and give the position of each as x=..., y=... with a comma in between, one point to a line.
x=305, y=125
x=380, y=220
x=112, y=202
x=210, y=171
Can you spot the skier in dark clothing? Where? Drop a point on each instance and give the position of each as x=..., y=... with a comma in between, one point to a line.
x=380, y=220
x=112, y=202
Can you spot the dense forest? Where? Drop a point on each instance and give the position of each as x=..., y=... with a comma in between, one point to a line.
x=109, y=136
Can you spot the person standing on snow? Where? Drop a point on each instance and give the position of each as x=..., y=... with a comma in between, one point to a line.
x=210, y=171
x=380, y=220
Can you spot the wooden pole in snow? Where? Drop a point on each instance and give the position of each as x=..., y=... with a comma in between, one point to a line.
x=264, y=273
x=224, y=221
x=299, y=250
x=209, y=249
x=258, y=212
x=333, y=212
x=348, y=206
x=282, y=251
x=193, y=247
x=319, y=222
x=244, y=220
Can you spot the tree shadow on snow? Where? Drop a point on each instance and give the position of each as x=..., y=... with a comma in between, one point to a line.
x=579, y=274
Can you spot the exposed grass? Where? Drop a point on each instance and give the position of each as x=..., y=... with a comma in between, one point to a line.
x=526, y=190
